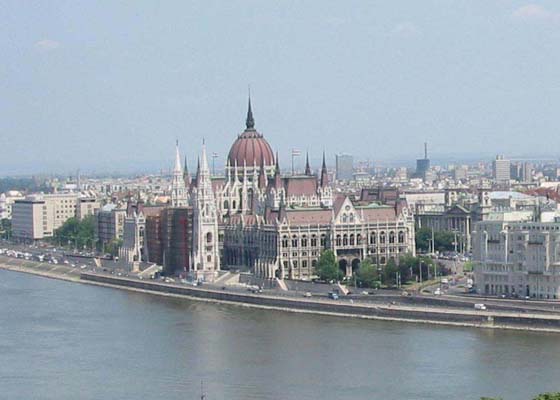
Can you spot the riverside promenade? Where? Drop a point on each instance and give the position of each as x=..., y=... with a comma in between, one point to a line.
x=528, y=320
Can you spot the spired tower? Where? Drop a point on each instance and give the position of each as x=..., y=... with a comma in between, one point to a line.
x=179, y=194
x=205, y=260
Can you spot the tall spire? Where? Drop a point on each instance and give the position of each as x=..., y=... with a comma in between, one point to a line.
x=177, y=167
x=307, y=167
x=250, y=123
x=262, y=175
x=324, y=174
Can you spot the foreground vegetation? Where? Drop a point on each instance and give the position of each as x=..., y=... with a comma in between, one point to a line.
x=543, y=396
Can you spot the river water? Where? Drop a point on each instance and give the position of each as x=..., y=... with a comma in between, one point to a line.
x=62, y=340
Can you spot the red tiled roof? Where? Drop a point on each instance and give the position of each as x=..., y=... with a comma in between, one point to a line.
x=300, y=185
x=308, y=217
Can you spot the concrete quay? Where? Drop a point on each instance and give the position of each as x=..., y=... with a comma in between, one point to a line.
x=343, y=307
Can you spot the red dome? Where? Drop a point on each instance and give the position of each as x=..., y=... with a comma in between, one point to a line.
x=250, y=148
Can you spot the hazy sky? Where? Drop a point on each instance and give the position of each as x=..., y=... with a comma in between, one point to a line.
x=110, y=85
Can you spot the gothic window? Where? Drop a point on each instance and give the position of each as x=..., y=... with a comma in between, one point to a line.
x=233, y=204
x=304, y=264
x=338, y=240
x=209, y=237
x=285, y=241
x=313, y=263
x=304, y=241
x=313, y=241
x=382, y=237
x=345, y=240
x=323, y=240
x=401, y=237
x=391, y=237
x=209, y=258
x=351, y=217
x=226, y=205
x=358, y=239
x=294, y=241
x=352, y=239
x=344, y=218
x=372, y=238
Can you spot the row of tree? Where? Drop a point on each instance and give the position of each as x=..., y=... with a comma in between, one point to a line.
x=443, y=240
x=370, y=275
x=79, y=234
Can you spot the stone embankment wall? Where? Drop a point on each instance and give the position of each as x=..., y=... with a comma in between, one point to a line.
x=439, y=315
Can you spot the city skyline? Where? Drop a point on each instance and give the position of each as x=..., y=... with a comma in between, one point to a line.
x=127, y=87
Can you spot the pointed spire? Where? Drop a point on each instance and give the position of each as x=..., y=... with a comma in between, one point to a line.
x=177, y=167
x=277, y=177
x=250, y=123
x=324, y=174
x=262, y=176
x=307, y=167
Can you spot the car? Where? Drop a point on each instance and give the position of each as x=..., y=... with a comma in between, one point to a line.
x=333, y=295
x=307, y=294
x=437, y=292
x=365, y=292
x=480, y=306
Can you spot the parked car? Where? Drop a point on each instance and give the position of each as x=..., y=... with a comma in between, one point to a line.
x=480, y=306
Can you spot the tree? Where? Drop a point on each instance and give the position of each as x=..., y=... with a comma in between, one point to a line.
x=390, y=272
x=367, y=275
x=327, y=267
x=76, y=233
x=5, y=228
x=548, y=396
x=443, y=240
x=113, y=247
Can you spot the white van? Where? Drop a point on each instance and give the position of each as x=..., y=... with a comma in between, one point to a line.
x=479, y=306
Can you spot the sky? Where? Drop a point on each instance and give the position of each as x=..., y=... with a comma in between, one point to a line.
x=109, y=86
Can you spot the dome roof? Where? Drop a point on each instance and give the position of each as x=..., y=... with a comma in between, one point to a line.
x=250, y=148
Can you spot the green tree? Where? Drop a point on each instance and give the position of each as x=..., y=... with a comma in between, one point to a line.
x=113, y=247
x=390, y=272
x=76, y=233
x=367, y=275
x=327, y=267
x=423, y=237
x=5, y=228
x=443, y=240
x=548, y=396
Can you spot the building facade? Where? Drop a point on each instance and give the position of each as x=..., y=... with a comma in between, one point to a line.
x=517, y=259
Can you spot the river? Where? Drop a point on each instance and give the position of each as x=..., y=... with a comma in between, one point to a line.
x=62, y=340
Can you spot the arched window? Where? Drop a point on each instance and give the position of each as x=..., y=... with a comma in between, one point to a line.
x=358, y=239
x=352, y=239
x=401, y=237
x=313, y=263
x=294, y=241
x=382, y=237
x=226, y=204
x=382, y=260
x=323, y=240
x=372, y=238
x=391, y=237
x=351, y=217
x=344, y=218
x=209, y=237
x=304, y=241
x=313, y=241
x=285, y=241
x=338, y=240
x=345, y=240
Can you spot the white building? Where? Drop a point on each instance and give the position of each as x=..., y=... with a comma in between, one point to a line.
x=501, y=170
x=519, y=258
x=36, y=217
x=7, y=201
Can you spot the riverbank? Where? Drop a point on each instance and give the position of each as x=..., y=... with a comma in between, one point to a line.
x=425, y=314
